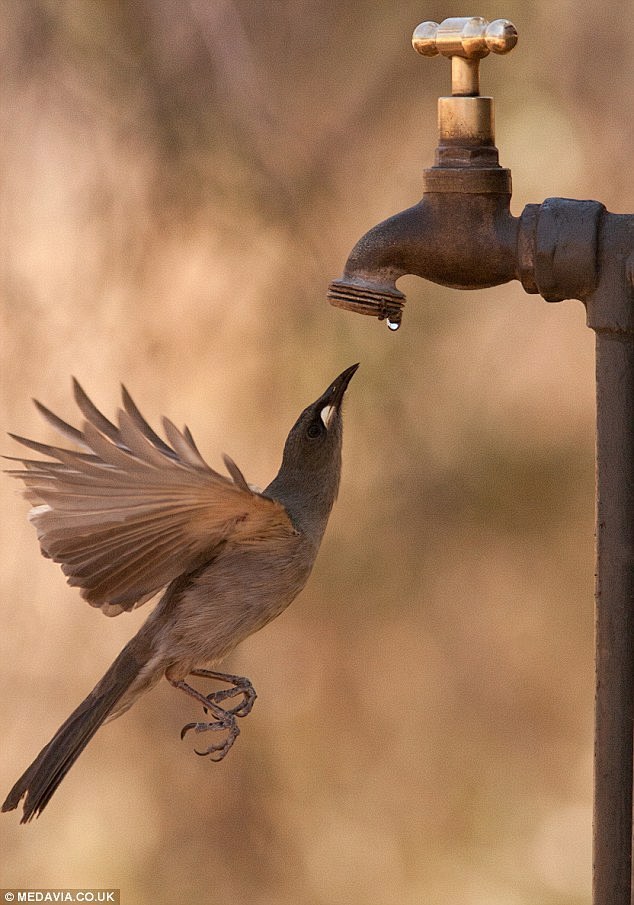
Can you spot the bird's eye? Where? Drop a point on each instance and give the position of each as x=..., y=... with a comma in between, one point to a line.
x=314, y=430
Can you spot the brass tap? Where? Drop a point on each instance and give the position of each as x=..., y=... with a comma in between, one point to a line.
x=465, y=120
x=465, y=41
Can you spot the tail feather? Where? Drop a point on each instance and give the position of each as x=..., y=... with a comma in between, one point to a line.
x=42, y=778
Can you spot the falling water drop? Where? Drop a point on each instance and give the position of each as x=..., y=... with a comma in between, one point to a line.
x=393, y=323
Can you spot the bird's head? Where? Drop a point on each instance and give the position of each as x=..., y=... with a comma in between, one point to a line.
x=311, y=464
x=314, y=443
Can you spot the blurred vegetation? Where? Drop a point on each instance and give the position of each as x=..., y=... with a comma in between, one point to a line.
x=180, y=180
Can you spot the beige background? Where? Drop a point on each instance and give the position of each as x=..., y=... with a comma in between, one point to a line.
x=180, y=180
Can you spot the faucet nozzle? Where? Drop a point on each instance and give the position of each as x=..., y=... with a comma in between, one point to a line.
x=365, y=297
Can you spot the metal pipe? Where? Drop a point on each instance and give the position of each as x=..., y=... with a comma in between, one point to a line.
x=614, y=620
x=611, y=315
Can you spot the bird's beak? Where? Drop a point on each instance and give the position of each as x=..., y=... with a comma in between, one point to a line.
x=330, y=401
x=340, y=385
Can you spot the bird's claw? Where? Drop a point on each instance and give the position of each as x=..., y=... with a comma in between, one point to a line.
x=215, y=752
x=225, y=720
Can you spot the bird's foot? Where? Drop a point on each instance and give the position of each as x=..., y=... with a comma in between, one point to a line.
x=219, y=751
x=225, y=719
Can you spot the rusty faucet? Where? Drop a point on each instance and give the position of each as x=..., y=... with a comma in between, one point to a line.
x=435, y=238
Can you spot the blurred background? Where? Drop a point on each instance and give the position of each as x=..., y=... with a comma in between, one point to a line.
x=180, y=181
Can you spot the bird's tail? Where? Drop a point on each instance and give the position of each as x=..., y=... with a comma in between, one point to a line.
x=42, y=778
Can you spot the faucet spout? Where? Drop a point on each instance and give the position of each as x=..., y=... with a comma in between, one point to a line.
x=460, y=238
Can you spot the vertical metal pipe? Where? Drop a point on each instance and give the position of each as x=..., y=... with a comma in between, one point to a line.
x=614, y=620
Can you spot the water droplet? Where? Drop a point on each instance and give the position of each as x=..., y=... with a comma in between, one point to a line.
x=393, y=323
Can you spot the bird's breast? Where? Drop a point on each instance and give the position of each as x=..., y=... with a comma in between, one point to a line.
x=237, y=594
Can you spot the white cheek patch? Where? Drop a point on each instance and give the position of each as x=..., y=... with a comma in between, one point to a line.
x=326, y=414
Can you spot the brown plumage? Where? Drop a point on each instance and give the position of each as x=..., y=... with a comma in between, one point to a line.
x=132, y=514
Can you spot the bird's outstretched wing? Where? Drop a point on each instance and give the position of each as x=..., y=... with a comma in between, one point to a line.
x=132, y=512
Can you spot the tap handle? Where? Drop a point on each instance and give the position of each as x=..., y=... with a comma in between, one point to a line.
x=466, y=41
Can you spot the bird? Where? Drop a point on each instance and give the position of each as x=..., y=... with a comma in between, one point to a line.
x=132, y=514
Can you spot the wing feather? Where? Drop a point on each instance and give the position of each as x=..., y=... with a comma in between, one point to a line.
x=235, y=472
x=50, y=450
x=132, y=512
x=132, y=410
x=136, y=441
x=92, y=414
x=66, y=430
x=185, y=450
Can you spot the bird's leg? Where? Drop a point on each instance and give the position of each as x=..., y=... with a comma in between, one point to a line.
x=225, y=721
x=240, y=685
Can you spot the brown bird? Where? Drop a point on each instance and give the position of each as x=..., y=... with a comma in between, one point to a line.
x=133, y=514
